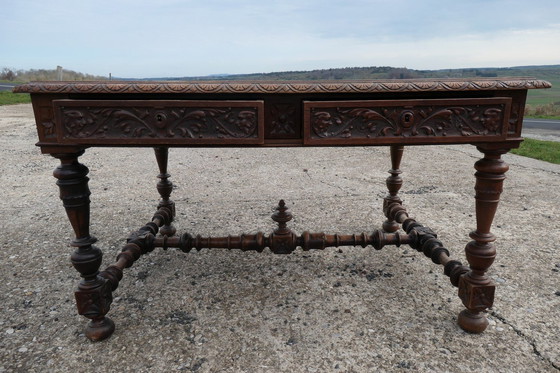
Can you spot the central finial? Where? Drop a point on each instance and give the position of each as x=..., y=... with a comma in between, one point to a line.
x=282, y=216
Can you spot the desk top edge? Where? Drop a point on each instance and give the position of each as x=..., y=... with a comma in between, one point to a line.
x=281, y=87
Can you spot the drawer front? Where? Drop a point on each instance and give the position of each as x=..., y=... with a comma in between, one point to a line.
x=159, y=122
x=406, y=121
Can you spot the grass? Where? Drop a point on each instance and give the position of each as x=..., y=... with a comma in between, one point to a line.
x=9, y=98
x=548, y=151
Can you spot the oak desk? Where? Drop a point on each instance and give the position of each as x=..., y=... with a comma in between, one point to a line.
x=72, y=116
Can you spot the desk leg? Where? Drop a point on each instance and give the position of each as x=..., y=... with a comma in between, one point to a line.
x=93, y=296
x=394, y=184
x=476, y=289
x=165, y=187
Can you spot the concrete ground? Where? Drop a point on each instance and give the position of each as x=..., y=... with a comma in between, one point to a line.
x=348, y=310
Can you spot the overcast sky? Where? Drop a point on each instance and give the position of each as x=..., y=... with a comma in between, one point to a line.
x=173, y=38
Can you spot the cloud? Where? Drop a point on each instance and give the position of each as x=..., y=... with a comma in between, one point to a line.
x=179, y=38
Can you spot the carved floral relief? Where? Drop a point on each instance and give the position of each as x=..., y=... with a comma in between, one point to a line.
x=283, y=119
x=152, y=122
x=401, y=121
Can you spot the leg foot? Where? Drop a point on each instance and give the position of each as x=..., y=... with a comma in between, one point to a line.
x=390, y=226
x=472, y=322
x=99, y=329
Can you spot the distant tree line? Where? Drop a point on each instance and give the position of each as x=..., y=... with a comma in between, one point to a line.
x=364, y=73
x=373, y=72
x=15, y=75
x=347, y=73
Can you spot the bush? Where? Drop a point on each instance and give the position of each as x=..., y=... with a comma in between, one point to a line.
x=551, y=110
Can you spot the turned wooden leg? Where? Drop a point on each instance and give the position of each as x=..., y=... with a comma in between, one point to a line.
x=394, y=183
x=93, y=296
x=476, y=289
x=165, y=187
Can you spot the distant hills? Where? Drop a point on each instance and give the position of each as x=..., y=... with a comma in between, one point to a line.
x=387, y=72
x=550, y=73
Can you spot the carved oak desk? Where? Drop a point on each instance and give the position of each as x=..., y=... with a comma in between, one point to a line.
x=72, y=116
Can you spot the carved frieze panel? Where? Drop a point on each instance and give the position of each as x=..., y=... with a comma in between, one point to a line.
x=410, y=121
x=155, y=121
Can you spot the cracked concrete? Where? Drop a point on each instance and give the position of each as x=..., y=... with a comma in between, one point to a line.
x=529, y=340
x=347, y=310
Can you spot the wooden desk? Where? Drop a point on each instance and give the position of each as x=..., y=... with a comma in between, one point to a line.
x=72, y=116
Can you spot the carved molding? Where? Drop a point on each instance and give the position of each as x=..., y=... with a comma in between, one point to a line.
x=419, y=85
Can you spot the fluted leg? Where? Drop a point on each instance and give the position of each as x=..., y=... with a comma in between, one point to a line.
x=394, y=183
x=165, y=187
x=93, y=296
x=476, y=289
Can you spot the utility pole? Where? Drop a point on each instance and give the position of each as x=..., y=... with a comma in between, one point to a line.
x=59, y=73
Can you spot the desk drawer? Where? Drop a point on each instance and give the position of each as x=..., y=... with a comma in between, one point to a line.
x=155, y=122
x=405, y=121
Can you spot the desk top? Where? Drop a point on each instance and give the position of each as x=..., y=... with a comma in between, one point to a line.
x=76, y=115
x=284, y=87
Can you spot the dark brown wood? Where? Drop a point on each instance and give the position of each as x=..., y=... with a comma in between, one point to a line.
x=282, y=111
x=283, y=117
x=476, y=289
x=517, y=110
x=284, y=241
x=105, y=122
x=165, y=187
x=394, y=184
x=414, y=121
x=284, y=87
x=488, y=113
x=138, y=243
x=93, y=296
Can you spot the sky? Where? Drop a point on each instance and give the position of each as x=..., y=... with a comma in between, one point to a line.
x=177, y=38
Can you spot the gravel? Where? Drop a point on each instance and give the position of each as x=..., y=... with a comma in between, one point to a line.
x=348, y=310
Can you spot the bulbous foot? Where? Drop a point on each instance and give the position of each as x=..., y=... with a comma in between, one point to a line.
x=100, y=329
x=472, y=322
x=167, y=230
x=390, y=226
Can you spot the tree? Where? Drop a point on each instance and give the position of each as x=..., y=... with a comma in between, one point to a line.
x=7, y=74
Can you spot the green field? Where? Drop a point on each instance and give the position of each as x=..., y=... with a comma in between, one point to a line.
x=9, y=98
x=545, y=96
x=548, y=151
